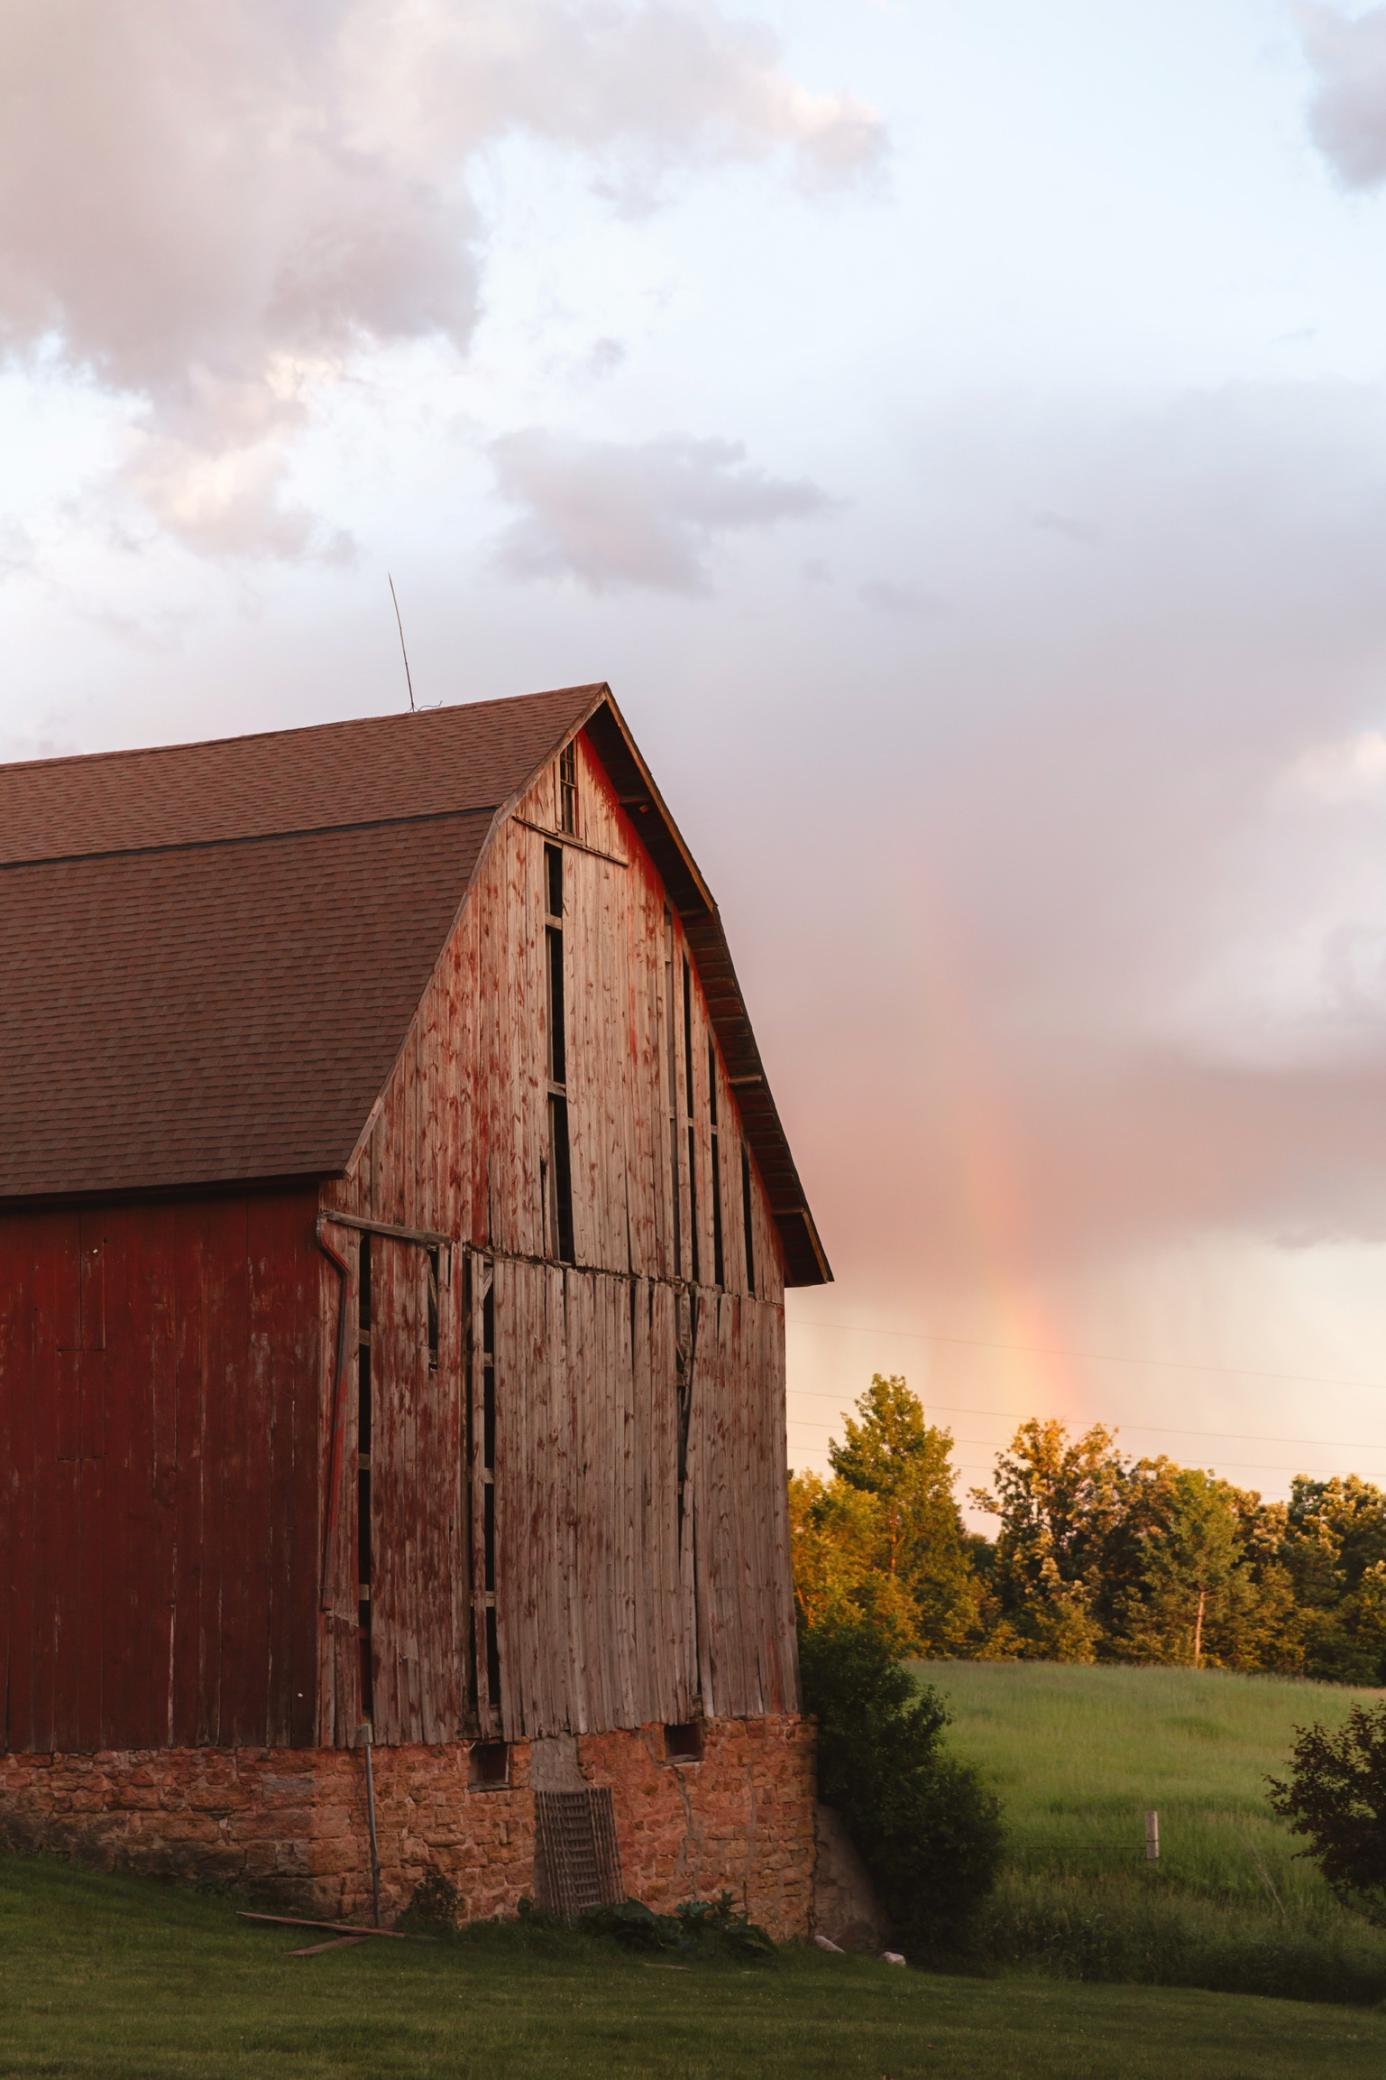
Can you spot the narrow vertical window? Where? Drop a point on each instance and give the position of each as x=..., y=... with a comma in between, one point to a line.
x=433, y=1282
x=567, y=790
x=364, y=1409
x=672, y=1054
x=559, y=1182
x=692, y=1130
x=471, y=1433
x=687, y=1321
x=719, y=1266
x=746, y=1219
x=487, y=1474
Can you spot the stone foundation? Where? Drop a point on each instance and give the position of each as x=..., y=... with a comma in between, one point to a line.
x=290, y=1823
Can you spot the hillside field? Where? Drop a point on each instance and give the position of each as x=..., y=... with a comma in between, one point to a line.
x=109, y=1978
x=1078, y=1755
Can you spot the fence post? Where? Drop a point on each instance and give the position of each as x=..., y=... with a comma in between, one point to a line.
x=1152, y=1837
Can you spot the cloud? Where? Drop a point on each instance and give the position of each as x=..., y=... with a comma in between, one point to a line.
x=16, y=549
x=1105, y=908
x=604, y=357
x=644, y=514
x=892, y=598
x=1080, y=533
x=1347, y=116
x=216, y=211
x=1351, y=770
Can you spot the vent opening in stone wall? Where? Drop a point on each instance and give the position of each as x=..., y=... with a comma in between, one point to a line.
x=683, y=1742
x=488, y=1765
x=364, y=1412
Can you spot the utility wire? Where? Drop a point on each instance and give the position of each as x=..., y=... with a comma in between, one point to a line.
x=1034, y=1350
x=1015, y=1415
x=1240, y=1465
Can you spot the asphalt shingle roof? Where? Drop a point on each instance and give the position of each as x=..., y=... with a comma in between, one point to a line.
x=210, y=953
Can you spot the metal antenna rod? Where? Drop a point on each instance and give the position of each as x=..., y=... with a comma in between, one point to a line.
x=403, y=652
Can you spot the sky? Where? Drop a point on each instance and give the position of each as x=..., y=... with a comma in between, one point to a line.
x=957, y=431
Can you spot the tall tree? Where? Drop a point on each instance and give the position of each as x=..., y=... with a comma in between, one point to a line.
x=1194, y=1571
x=892, y=1453
x=1060, y=1501
x=839, y=1539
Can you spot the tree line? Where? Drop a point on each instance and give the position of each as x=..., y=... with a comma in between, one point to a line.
x=1097, y=1555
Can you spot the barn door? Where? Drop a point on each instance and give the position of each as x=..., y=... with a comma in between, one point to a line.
x=414, y=1560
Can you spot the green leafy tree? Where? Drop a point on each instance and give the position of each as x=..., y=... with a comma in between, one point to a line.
x=1335, y=1552
x=1336, y=1797
x=893, y=1471
x=838, y=1536
x=1194, y=1576
x=1060, y=1501
x=925, y=1825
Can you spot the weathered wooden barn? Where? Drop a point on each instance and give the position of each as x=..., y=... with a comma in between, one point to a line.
x=394, y=1227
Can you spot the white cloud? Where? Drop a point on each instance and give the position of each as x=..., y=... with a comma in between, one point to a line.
x=1347, y=117
x=888, y=597
x=16, y=548
x=215, y=211
x=645, y=514
x=1352, y=769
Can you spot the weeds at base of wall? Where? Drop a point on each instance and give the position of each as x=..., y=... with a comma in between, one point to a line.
x=698, y=1930
x=1120, y=1929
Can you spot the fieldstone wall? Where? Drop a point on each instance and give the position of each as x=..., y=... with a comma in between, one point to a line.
x=291, y=1823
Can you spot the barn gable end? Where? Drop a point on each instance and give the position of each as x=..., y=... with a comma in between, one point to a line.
x=394, y=1227
x=633, y=1394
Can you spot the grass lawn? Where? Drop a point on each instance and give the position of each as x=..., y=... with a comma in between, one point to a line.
x=1079, y=1754
x=127, y=1980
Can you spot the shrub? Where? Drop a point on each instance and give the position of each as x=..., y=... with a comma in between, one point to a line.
x=924, y=1824
x=702, y=1927
x=1336, y=1796
x=435, y=1908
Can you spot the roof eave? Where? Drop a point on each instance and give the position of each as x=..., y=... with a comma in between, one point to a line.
x=805, y=1260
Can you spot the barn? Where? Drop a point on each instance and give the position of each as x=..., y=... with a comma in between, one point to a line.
x=394, y=1226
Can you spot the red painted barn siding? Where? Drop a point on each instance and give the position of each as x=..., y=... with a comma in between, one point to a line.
x=159, y=1462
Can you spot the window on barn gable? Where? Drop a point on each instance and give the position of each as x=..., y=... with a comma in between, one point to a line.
x=567, y=790
x=692, y=1128
x=747, y=1212
x=719, y=1275
x=558, y=1173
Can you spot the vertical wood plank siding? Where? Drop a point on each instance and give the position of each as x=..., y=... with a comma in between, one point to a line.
x=159, y=1473
x=640, y=1540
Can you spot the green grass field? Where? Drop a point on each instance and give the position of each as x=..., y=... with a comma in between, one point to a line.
x=1079, y=1754
x=107, y=1978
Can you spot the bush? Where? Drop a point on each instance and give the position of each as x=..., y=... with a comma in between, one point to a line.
x=1336, y=1796
x=924, y=1824
x=434, y=1909
x=699, y=1927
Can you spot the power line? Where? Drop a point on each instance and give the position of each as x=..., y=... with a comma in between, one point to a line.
x=1033, y=1350
x=1240, y=1465
x=1015, y=1415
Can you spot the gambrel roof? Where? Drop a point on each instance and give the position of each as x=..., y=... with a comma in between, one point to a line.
x=210, y=954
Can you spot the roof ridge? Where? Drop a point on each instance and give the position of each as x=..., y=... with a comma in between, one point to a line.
x=294, y=729
x=293, y=830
